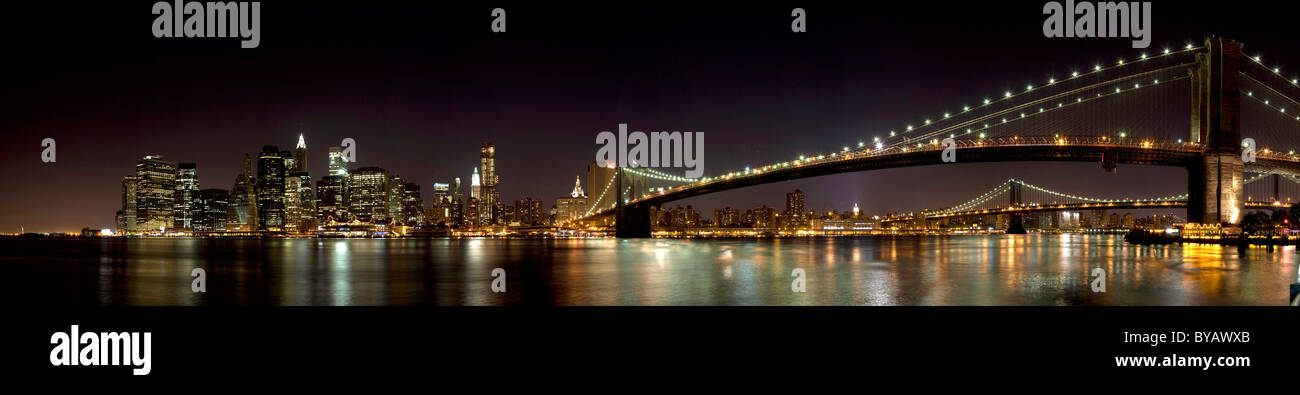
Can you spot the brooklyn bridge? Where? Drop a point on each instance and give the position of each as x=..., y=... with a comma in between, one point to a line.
x=1212, y=109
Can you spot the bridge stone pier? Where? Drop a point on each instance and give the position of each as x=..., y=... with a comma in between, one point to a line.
x=630, y=220
x=1215, y=192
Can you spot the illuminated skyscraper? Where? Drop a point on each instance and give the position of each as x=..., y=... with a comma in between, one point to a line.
x=209, y=208
x=127, y=224
x=794, y=208
x=299, y=203
x=471, y=213
x=241, y=208
x=270, y=189
x=572, y=206
x=368, y=194
x=331, y=199
x=187, y=181
x=412, y=204
x=457, y=206
x=440, y=208
x=489, y=199
x=338, y=166
x=395, y=192
x=155, y=194
x=300, y=156
x=529, y=212
x=474, y=187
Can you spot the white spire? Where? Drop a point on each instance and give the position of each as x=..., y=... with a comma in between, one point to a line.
x=301, y=142
x=577, y=187
x=855, y=209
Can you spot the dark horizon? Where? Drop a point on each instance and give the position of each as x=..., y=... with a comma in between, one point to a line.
x=420, y=86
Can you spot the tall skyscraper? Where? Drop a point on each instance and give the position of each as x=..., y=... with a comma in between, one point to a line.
x=489, y=199
x=794, y=208
x=338, y=166
x=155, y=194
x=368, y=195
x=187, y=182
x=412, y=205
x=457, y=207
x=210, y=208
x=299, y=203
x=241, y=208
x=300, y=156
x=440, y=208
x=395, y=199
x=127, y=225
x=331, y=199
x=572, y=206
x=270, y=189
x=471, y=213
x=529, y=212
x=474, y=186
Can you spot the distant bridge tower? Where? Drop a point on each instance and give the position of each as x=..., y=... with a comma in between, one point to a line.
x=1015, y=221
x=1215, y=192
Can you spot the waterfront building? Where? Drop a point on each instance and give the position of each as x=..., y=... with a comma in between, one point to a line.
x=187, y=182
x=726, y=218
x=155, y=194
x=412, y=205
x=490, y=207
x=367, y=197
x=331, y=199
x=210, y=208
x=573, y=206
x=127, y=221
x=270, y=189
x=241, y=208
x=338, y=165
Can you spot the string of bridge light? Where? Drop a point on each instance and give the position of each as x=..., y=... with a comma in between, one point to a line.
x=1281, y=109
x=1051, y=82
x=1121, y=81
x=986, y=126
x=1060, y=105
x=803, y=159
x=1277, y=70
x=1267, y=102
x=1008, y=95
x=1096, y=200
x=651, y=173
x=602, y=196
x=1257, y=177
x=1000, y=189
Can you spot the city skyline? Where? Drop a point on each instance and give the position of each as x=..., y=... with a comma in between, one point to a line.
x=416, y=112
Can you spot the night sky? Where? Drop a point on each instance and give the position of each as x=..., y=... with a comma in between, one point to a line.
x=420, y=85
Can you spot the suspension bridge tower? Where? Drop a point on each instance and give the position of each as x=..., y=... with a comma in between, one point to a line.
x=1215, y=192
x=1016, y=220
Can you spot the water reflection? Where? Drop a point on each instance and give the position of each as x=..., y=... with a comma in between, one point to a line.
x=959, y=270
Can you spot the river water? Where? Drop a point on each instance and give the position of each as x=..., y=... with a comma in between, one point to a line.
x=1035, y=269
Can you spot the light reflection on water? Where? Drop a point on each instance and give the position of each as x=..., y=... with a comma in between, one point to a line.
x=954, y=270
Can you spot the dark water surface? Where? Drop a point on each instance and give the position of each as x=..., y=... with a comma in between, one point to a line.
x=936, y=270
